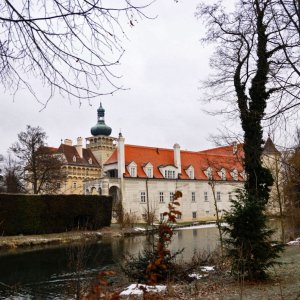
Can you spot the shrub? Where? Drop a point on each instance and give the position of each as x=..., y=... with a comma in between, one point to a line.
x=37, y=214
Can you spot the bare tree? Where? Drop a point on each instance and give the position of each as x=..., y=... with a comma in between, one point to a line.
x=12, y=176
x=72, y=47
x=255, y=29
x=42, y=169
x=255, y=77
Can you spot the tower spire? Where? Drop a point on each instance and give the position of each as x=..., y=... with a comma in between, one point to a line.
x=101, y=128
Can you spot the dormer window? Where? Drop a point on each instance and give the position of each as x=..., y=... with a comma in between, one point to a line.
x=169, y=172
x=148, y=169
x=234, y=174
x=244, y=175
x=190, y=172
x=90, y=161
x=149, y=172
x=74, y=158
x=222, y=174
x=132, y=169
x=208, y=173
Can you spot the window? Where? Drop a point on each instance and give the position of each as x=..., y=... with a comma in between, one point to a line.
x=190, y=172
x=234, y=174
x=169, y=174
x=218, y=196
x=178, y=216
x=143, y=197
x=149, y=172
x=148, y=169
x=194, y=215
x=132, y=171
x=229, y=196
x=161, y=197
x=90, y=161
x=74, y=158
x=207, y=211
x=208, y=173
x=193, y=197
x=74, y=185
x=243, y=174
x=222, y=174
x=171, y=196
x=58, y=185
x=205, y=196
x=144, y=217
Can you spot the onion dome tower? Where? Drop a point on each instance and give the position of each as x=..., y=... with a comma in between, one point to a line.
x=101, y=143
x=101, y=128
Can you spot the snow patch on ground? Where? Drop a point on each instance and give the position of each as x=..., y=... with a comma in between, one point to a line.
x=203, y=269
x=197, y=275
x=207, y=268
x=139, y=229
x=136, y=289
x=295, y=242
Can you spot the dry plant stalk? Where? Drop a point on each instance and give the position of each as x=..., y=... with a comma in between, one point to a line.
x=165, y=234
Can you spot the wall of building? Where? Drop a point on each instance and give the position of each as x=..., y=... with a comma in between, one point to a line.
x=205, y=210
x=76, y=176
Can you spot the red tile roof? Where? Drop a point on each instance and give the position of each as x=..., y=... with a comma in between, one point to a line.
x=225, y=150
x=70, y=151
x=217, y=159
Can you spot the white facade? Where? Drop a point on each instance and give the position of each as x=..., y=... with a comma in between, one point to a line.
x=145, y=179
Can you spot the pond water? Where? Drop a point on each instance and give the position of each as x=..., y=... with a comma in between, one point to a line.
x=56, y=272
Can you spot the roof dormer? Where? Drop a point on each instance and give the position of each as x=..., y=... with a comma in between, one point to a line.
x=222, y=174
x=148, y=169
x=169, y=172
x=132, y=169
x=234, y=174
x=244, y=175
x=190, y=172
x=208, y=173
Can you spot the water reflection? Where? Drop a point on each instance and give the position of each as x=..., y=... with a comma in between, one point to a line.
x=54, y=273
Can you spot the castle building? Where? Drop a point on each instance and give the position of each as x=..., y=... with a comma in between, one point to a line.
x=144, y=179
x=85, y=164
x=79, y=165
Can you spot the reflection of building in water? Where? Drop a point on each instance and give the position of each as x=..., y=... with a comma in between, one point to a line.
x=195, y=240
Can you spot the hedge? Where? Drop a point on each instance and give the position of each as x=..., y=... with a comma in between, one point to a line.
x=38, y=214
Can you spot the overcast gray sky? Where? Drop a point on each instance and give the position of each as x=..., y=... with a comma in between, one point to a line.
x=163, y=65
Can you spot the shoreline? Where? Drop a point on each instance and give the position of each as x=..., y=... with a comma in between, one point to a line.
x=69, y=237
x=30, y=241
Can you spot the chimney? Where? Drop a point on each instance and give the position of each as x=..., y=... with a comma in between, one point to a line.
x=121, y=155
x=177, y=159
x=234, y=148
x=68, y=142
x=79, y=146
